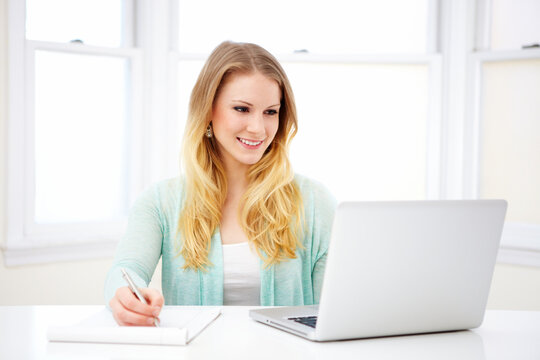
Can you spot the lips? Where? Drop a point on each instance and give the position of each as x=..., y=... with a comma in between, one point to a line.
x=250, y=143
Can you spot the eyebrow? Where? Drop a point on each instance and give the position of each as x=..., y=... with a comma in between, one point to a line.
x=245, y=102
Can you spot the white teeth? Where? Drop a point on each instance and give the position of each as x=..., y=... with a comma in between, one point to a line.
x=252, y=143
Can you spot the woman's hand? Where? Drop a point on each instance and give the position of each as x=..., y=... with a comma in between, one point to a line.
x=129, y=311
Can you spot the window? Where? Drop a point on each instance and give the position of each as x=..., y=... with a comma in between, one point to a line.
x=74, y=159
x=70, y=113
x=505, y=115
x=514, y=24
x=102, y=110
x=510, y=145
x=405, y=107
x=65, y=21
x=364, y=127
x=320, y=27
x=352, y=140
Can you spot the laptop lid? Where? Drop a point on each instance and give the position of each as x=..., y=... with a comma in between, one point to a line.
x=409, y=267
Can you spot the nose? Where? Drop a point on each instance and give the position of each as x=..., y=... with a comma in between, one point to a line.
x=256, y=125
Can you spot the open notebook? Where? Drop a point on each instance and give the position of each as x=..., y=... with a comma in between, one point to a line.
x=179, y=325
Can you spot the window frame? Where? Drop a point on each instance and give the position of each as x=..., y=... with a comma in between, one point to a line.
x=28, y=242
x=520, y=243
x=454, y=59
x=156, y=42
x=431, y=58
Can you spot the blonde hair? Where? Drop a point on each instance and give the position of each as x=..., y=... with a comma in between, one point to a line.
x=271, y=210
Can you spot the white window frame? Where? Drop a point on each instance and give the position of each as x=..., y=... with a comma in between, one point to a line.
x=456, y=30
x=154, y=79
x=520, y=243
x=432, y=59
x=27, y=242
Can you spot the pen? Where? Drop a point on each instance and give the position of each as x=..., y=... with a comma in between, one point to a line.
x=136, y=291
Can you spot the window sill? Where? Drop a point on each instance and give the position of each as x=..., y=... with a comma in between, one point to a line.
x=520, y=245
x=26, y=255
x=523, y=257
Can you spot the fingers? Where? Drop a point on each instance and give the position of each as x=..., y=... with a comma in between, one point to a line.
x=126, y=317
x=155, y=300
x=128, y=310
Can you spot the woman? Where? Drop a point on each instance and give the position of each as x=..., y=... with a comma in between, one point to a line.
x=239, y=228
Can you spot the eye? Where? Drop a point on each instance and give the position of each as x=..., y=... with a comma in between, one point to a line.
x=241, y=109
x=271, y=112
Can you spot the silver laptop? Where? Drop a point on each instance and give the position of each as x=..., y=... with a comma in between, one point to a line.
x=396, y=268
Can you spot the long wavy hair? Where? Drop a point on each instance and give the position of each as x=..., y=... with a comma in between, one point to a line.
x=271, y=210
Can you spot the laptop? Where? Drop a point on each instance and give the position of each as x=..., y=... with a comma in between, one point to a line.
x=397, y=268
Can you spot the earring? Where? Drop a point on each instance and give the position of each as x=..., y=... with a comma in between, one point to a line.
x=209, y=132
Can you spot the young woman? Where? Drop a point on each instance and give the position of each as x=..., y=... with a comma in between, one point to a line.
x=239, y=227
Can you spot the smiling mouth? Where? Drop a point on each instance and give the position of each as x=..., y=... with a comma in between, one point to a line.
x=250, y=142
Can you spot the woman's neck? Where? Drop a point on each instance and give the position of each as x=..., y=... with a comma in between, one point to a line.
x=237, y=184
x=237, y=180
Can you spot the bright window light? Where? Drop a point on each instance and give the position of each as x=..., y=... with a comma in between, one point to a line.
x=94, y=22
x=80, y=137
x=284, y=26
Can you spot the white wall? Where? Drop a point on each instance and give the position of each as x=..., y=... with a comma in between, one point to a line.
x=78, y=282
x=69, y=283
x=81, y=282
x=515, y=288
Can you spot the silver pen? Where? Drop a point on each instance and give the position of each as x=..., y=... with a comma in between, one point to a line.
x=136, y=291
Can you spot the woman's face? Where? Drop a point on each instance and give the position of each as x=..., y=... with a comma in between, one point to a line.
x=245, y=118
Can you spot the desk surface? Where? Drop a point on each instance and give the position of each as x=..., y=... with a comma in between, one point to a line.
x=503, y=335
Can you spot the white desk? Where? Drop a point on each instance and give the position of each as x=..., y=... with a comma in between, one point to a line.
x=504, y=335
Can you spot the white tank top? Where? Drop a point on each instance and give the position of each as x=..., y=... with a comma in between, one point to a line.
x=241, y=275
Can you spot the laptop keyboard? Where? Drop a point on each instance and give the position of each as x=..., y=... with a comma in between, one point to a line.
x=306, y=320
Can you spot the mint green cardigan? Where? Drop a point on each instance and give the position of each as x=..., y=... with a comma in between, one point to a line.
x=151, y=234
